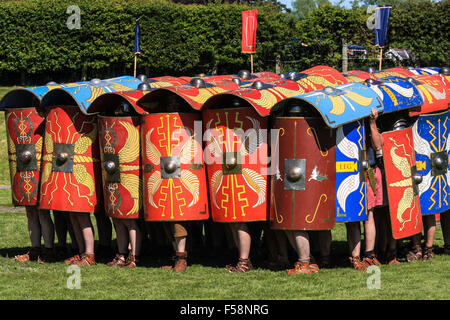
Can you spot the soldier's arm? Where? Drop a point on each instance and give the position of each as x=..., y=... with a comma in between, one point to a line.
x=375, y=136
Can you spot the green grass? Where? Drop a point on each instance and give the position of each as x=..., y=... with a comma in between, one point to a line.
x=415, y=280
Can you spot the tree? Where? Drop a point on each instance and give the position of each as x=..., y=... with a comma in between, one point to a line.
x=302, y=8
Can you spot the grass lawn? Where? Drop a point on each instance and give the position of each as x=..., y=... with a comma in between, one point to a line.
x=204, y=279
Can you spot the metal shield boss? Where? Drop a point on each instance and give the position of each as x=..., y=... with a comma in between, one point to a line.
x=71, y=174
x=351, y=165
x=120, y=160
x=25, y=131
x=174, y=176
x=236, y=154
x=402, y=183
x=302, y=189
x=432, y=148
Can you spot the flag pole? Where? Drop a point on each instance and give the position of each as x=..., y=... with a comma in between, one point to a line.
x=135, y=64
x=251, y=62
x=381, y=57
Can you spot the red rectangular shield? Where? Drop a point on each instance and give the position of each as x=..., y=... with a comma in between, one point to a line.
x=400, y=169
x=249, y=26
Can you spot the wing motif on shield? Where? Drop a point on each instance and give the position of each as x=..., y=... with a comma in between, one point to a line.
x=187, y=154
x=421, y=146
x=351, y=183
x=406, y=92
x=402, y=164
x=251, y=141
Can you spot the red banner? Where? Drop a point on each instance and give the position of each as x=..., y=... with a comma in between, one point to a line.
x=249, y=26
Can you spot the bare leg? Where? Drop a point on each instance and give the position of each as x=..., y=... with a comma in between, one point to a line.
x=302, y=245
x=135, y=236
x=369, y=232
x=244, y=239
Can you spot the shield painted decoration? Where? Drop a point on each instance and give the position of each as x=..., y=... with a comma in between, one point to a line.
x=236, y=155
x=120, y=158
x=435, y=92
x=174, y=175
x=84, y=93
x=357, y=76
x=400, y=178
x=71, y=173
x=302, y=193
x=396, y=93
x=25, y=135
x=396, y=72
x=343, y=104
x=432, y=147
x=351, y=163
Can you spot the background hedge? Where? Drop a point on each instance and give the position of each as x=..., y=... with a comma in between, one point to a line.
x=36, y=46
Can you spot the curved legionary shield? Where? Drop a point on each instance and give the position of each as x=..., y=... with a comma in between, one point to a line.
x=435, y=92
x=237, y=158
x=402, y=183
x=344, y=103
x=25, y=131
x=432, y=147
x=429, y=70
x=358, y=76
x=71, y=169
x=342, y=107
x=119, y=135
x=394, y=72
x=83, y=94
x=396, y=93
x=174, y=177
x=303, y=187
x=351, y=166
x=120, y=158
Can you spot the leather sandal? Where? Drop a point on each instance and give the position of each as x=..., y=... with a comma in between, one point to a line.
x=302, y=267
x=243, y=265
x=85, y=260
x=358, y=264
x=72, y=259
x=31, y=255
x=427, y=253
x=371, y=260
x=131, y=261
x=118, y=261
x=180, y=261
x=414, y=254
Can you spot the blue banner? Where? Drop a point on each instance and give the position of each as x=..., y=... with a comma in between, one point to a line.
x=137, y=40
x=381, y=24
